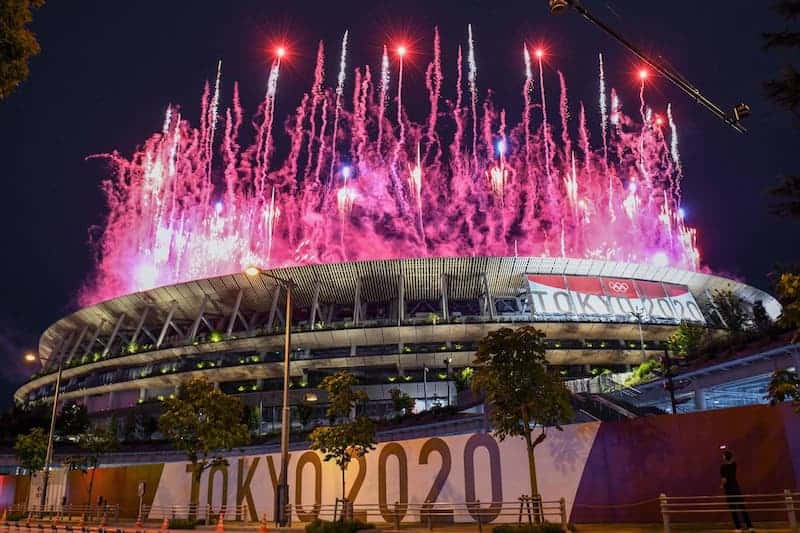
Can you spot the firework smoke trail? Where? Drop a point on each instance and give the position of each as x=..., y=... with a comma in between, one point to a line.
x=604, y=133
x=384, y=88
x=473, y=90
x=164, y=226
x=526, y=96
x=213, y=115
x=339, y=92
x=434, y=83
x=545, y=129
x=676, y=156
x=316, y=97
x=564, y=112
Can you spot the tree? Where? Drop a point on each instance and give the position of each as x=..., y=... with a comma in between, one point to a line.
x=784, y=385
x=95, y=444
x=523, y=395
x=30, y=450
x=201, y=421
x=347, y=439
x=17, y=42
x=785, y=91
x=401, y=402
x=788, y=290
x=686, y=340
x=761, y=319
x=304, y=413
x=72, y=421
x=731, y=310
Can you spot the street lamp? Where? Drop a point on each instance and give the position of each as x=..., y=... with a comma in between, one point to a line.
x=282, y=490
x=31, y=357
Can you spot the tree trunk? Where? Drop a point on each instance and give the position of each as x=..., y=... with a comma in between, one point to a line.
x=344, y=495
x=531, y=464
x=91, y=484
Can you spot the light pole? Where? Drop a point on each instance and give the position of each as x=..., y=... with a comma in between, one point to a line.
x=447, y=362
x=48, y=458
x=282, y=490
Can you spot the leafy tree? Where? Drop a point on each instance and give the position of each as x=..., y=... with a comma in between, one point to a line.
x=686, y=340
x=401, y=402
x=464, y=378
x=761, y=319
x=731, y=310
x=30, y=450
x=17, y=42
x=201, y=421
x=21, y=418
x=304, y=413
x=784, y=385
x=344, y=441
x=524, y=396
x=94, y=444
x=785, y=91
x=788, y=290
x=72, y=421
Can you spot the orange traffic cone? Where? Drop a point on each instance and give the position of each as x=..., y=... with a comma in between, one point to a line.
x=139, y=520
x=104, y=520
x=263, y=528
x=165, y=524
x=4, y=518
x=220, y=525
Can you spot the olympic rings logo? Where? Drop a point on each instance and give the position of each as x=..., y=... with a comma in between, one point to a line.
x=618, y=286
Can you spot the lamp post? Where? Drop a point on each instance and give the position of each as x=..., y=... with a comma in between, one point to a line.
x=282, y=490
x=48, y=458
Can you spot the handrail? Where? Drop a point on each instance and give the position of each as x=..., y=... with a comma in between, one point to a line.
x=782, y=502
x=524, y=509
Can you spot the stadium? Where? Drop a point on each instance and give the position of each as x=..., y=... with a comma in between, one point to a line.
x=408, y=324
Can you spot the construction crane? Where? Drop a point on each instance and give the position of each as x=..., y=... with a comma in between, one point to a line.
x=733, y=119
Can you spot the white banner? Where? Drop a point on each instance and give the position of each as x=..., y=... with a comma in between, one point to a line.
x=617, y=299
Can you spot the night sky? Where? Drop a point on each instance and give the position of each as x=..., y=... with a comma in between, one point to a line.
x=108, y=70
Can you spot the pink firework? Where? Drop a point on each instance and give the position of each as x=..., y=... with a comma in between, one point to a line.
x=188, y=205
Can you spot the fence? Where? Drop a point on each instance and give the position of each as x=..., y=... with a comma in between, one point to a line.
x=755, y=504
x=208, y=513
x=67, y=513
x=429, y=514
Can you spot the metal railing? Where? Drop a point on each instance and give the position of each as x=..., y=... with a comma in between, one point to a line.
x=528, y=510
x=207, y=513
x=66, y=513
x=758, y=504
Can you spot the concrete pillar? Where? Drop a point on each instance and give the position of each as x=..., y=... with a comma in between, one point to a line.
x=142, y=394
x=699, y=396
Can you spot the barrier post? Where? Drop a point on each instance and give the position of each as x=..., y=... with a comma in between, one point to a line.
x=208, y=514
x=397, y=516
x=790, y=510
x=662, y=499
x=562, y=506
x=480, y=516
x=429, y=513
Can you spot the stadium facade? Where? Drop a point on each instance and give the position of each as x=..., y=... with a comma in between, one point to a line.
x=408, y=324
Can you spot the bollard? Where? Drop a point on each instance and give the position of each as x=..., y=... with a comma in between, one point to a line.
x=790, y=510
x=263, y=528
x=165, y=524
x=662, y=499
x=208, y=514
x=139, y=520
x=480, y=516
x=220, y=524
x=562, y=506
x=397, y=516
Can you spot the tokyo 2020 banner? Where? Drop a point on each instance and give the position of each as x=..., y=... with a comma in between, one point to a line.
x=617, y=299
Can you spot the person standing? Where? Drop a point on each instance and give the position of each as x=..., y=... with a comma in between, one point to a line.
x=733, y=493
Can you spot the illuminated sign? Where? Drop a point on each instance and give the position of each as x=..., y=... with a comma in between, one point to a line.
x=611, y=299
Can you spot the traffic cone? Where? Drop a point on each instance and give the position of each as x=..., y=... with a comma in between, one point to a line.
x=28, y=520
x=165, y=524
x=139, y=520
x=104, y=520
x=263, y=528
x=4, y=518
x=220, y=525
